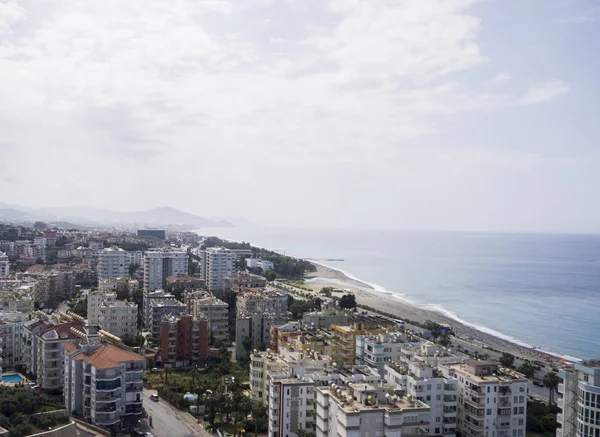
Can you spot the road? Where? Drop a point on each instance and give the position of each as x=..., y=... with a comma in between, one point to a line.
x=168, y=421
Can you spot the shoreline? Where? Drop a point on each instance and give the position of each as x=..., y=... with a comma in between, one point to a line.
x=387, y=302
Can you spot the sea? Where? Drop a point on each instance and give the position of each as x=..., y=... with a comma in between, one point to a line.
x=540, y=290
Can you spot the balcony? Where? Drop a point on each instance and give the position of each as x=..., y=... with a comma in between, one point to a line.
x=561, y=388
x=133, y=387
x=560, y=418
x=476, y=402
x=134, y=376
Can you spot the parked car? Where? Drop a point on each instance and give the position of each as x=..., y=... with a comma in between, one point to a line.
x=154, y=397
x=538, y=383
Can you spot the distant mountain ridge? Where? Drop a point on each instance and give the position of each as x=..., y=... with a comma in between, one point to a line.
x=162, y=216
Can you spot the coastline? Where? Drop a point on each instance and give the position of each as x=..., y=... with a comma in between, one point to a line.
x=388, y=302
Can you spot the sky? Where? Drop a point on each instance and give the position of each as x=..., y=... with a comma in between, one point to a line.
x=400, y=114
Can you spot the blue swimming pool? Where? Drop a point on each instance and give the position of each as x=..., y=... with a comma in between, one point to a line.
x=13, y=379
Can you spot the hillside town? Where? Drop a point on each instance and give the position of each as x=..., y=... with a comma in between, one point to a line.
x=147, y=330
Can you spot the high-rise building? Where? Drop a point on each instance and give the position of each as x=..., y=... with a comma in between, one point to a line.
x=366, y=410
x=579, y=400
x=160, y=264
x=217, y=263
x=492, y=400
x=112, y=263
x=4, y=264
x=205, y=305
x=119, y=318
x=95, y=301
x=103, y=383
x=183, y=341
x=159, y=309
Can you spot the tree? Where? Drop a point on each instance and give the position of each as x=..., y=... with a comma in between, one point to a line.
x=434, y=328
x=548, y=423
x=271, y=275
x=123, y=292
x=326, y=291
x=133, y=267
x=551, y=381
x=445, y=340
x=527, y=369
x=507, y=360
x=348, y=301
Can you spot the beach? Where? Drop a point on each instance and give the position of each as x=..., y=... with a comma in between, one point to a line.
x=386, y=302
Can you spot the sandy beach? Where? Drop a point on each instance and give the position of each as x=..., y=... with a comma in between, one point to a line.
x=366, y=295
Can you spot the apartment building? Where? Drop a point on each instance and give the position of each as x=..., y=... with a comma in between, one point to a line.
x=160, y=264
x=159, y=310
x=103, y=384
x=368, y=410
x=95, y=301
x=492, y=400
x=264, y=265
x=217, y=263
x=149, y=297
x=12, y=325
x=204, y=305
x=344, y=338
x=119, y=318
x=421, y=379
x=284, y=334
x=4, y=265
x=579, y=400
x=291, y=407
x=112, y=263
x=242, y=281
x=183, y=341
x=379, y=349
x=117, y=283
x=253, y=331
x=185, y=282
x=325, y=318
x=16, y=300
x=268, y=300
x=46, y=353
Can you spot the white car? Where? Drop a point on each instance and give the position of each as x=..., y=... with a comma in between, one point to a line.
x=148, y=434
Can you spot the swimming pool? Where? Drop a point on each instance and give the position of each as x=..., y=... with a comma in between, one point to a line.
x=13, y=379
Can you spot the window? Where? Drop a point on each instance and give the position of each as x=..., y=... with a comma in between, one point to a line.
x=521, y=389
x=488, y=389
x=489, y=412
x=521, y=421
x=437, y=419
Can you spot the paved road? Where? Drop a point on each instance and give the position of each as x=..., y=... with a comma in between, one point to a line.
x=170, y=422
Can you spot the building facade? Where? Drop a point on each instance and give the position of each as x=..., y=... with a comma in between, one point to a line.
x=4, y=265
x=217, y=263
x=119, y=318
x=492, y=401
x=96, y=299
x=161, y=309
x=204, y=305
x=160, y=264
x=183, y=341
x=103, y=384
x=112, y=263
x=579, y=400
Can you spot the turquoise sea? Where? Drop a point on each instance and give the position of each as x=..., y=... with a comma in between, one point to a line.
x=538, y=289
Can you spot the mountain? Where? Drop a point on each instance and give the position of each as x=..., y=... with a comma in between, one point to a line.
x=163, y=216
x=238, y=222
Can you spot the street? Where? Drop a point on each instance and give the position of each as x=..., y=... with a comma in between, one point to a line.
x=168, y=421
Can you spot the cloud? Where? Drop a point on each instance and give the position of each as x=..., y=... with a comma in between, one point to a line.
x=207, y=88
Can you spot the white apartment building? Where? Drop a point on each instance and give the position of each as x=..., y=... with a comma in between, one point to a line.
x=12, y=325
x=264, y=265
x=368, y=410
x=119, y=318
x=377, y=350
x=492, y=401
x=112, y=263
x=160, y=264
x=579, y=400
x=204, y=305
x=4, y=265
x=268, y=300
x=95, y=300
x=17, y=300
x=103, y=383
x=253, y=331
x=291, y=407
x=425, y=383
x=217, y=263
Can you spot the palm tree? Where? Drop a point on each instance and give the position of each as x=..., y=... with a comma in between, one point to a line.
x=551, y=381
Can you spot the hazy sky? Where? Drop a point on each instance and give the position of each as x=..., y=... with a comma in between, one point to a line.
x=429, y=114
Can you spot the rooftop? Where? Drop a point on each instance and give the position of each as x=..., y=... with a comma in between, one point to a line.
x=106, y=356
